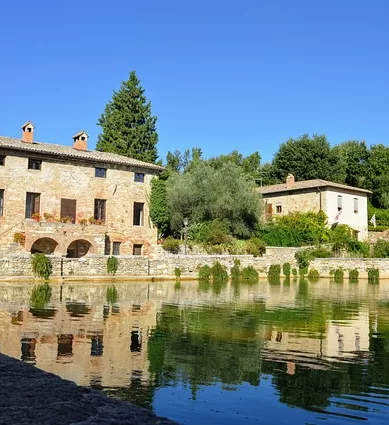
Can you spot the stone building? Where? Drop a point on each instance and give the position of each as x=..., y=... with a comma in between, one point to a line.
x=341, y=203
x=68, y=200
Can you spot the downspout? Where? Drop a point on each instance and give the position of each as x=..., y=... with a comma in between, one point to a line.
x=320, y=209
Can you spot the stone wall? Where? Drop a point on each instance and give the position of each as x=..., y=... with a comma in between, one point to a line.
x=136, y=266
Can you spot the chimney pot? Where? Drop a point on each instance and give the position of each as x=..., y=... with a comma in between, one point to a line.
x=28, y=132
x=290, y=180
x=80, y=141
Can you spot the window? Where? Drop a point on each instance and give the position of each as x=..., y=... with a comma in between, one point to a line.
x=138, y=214
x=139, y=177
x=34, y=164
x=137, y=249
x=100, y=172
x=1, y=202
x=356, y=205
x=32, y=204
x=116, y=248
x=278, y=208
x=2, y=160
x=339, y=203
x=100, y=209
x=68, y=210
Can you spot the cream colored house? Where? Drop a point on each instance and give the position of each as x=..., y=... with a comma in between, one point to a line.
x=68, y=200
x=341, y=203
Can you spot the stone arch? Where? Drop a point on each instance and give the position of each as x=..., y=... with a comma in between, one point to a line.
x=44, y=246
x=79, y=248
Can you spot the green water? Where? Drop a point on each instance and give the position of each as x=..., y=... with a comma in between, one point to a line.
x=295, y=352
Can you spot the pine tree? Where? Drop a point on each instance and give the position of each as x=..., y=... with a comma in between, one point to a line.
x=128, y=128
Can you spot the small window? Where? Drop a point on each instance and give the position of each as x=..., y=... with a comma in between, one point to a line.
x=137, y=249
x=2, y=160
x=116, y=248
x=1, y=202
x=100, y=205
x=138, y=214
x=139, y=177
x=100, y=172
x=68, y=210
x=34, y=164
x=32, y=204
x=356, y=205
x=278, y=209
x=340, y=203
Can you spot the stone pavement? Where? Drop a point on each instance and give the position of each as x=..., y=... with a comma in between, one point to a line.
x=31, y=396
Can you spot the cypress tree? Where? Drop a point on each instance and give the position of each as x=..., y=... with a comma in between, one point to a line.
x=128, y=128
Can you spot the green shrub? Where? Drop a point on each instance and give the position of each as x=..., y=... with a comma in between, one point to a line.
x=321, y=253
x=373, y=275
x=41, y=266
x=112, y=265
x=235, y=270
x=204, y=272
x=214, y=232
x=177, y=273
x=353, y=275
x=111, y=295
x=236, y=247
x=171, y=245
x=219, y=272
x=40, y=296
x=338, y=276
x=214, y=249
x=256, y=247
x=303, y=258
x=381, y=249
x=286, y=269
x=273, y=274
x=313, y=275
x=294, y=271
x=249, y=273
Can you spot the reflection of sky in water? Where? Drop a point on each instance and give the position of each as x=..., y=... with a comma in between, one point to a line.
x=294, y=352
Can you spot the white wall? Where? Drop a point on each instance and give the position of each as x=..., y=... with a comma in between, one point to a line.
x=357, y=221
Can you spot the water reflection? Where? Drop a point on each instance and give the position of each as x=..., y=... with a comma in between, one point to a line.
x=201, y=352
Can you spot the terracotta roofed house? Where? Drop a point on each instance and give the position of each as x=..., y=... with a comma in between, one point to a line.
x=341, y=203
x=68, y=200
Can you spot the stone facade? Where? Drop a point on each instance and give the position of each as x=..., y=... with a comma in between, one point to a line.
x=64, y=179
x=95, y=266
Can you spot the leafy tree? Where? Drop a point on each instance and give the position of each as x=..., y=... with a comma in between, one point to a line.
x=354, y=155
x=158, y=205
x=205, y=194
x=128, y=128
x=377, y=175
x=308, y=158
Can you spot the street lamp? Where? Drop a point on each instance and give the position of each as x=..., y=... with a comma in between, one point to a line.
x=185, y=232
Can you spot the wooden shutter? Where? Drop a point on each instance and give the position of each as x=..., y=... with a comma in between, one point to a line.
x=68, y=208
x=37, y=201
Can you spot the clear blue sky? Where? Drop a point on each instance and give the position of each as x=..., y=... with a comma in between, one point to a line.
x=221, y=75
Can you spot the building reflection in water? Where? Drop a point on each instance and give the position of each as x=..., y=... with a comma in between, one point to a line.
x=97, y=346
x=65, y=345
x=28, y=350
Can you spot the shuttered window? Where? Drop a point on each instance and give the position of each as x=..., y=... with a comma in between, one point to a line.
x=138, y=213
x=340, y=203
x=32, y=203
x=139, y=177
x=68, y=209
x=1, y=202
x=100, y=209
x=356, y=205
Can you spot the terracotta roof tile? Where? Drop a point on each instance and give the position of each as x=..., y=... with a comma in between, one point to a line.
x=307, y=184
x=71, y=153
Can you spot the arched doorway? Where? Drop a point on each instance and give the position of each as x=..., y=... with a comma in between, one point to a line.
x=78, y=248
x=44, y=246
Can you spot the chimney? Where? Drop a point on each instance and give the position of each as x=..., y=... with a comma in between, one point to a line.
x=80, y=141
x=290, y=180
x=28, y=132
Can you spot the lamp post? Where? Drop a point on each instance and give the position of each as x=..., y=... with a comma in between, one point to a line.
x=185, y=232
